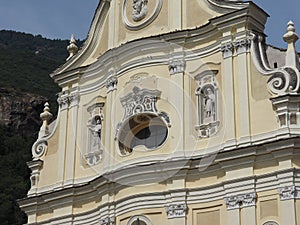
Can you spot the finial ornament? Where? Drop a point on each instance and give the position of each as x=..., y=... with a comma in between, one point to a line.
x=72, y=47
x=291, y=37
x=45, y=116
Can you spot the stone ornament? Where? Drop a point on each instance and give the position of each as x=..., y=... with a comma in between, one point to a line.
x=287, y=193
x=107, y=221
x=176, y=66
x=286, y=79
x=240, y=201
x=39, y=148
x=94, y=140
x=72, y=47
x=35, y=166
x=176, y=211
x=68, y=100
x=63, y=102
x=227, y=49
x=140, y=9
x=111, y=83
x=140, y=112
x=207, y=104
x=141, y=15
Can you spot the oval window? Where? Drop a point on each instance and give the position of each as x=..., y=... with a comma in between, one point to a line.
x=142, y=130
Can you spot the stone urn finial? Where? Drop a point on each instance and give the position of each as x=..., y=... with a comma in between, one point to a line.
x=290, y=37
x=45, y=116
x=72, y=47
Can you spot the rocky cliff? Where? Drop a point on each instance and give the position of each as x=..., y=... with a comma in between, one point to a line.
x=20, y=110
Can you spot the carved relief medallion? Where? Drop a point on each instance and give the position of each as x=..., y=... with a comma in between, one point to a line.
x=137, y=14
x=140, y=10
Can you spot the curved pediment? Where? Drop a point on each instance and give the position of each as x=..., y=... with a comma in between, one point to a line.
x=118, y=22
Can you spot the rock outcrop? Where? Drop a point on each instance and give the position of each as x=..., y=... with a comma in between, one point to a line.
x=21, y=111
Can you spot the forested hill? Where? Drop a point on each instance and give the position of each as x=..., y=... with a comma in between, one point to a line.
x=25, y=64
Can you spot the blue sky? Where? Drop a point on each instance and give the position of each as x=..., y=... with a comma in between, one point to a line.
x=60, y=18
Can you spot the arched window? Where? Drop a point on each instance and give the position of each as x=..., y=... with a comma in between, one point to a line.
x=139, y=220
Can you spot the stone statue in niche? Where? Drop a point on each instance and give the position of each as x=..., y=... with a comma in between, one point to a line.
x=96, y=134
x=95, y=127
x=140, y=9
x=209, y=105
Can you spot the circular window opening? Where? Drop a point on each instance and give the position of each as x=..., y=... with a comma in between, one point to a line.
x=142, y=130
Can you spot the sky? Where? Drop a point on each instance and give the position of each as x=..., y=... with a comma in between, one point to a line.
x=58, y=19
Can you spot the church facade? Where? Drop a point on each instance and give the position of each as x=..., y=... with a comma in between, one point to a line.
x=172, y=113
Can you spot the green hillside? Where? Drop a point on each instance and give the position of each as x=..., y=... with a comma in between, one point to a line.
x=25, y=64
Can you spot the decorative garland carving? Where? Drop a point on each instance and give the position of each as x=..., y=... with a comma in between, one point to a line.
x=107, y=221
x=245, y=200
x=176, y=211
x=287, y=193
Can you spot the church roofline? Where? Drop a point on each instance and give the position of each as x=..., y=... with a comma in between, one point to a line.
x=66, y=74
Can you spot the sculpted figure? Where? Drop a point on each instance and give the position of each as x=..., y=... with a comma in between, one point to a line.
x=209, y=103
x=96, y=131
x=140, y=9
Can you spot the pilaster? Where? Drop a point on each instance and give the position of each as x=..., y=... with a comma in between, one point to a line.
x=74, y=99
x=176, y=207
x=176, y=96
x=63, y=102
x=241, y=207
x=242, y=46
x=228, y=86
x=111, y=86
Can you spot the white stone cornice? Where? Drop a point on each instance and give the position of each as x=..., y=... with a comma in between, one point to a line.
x=176, y=210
